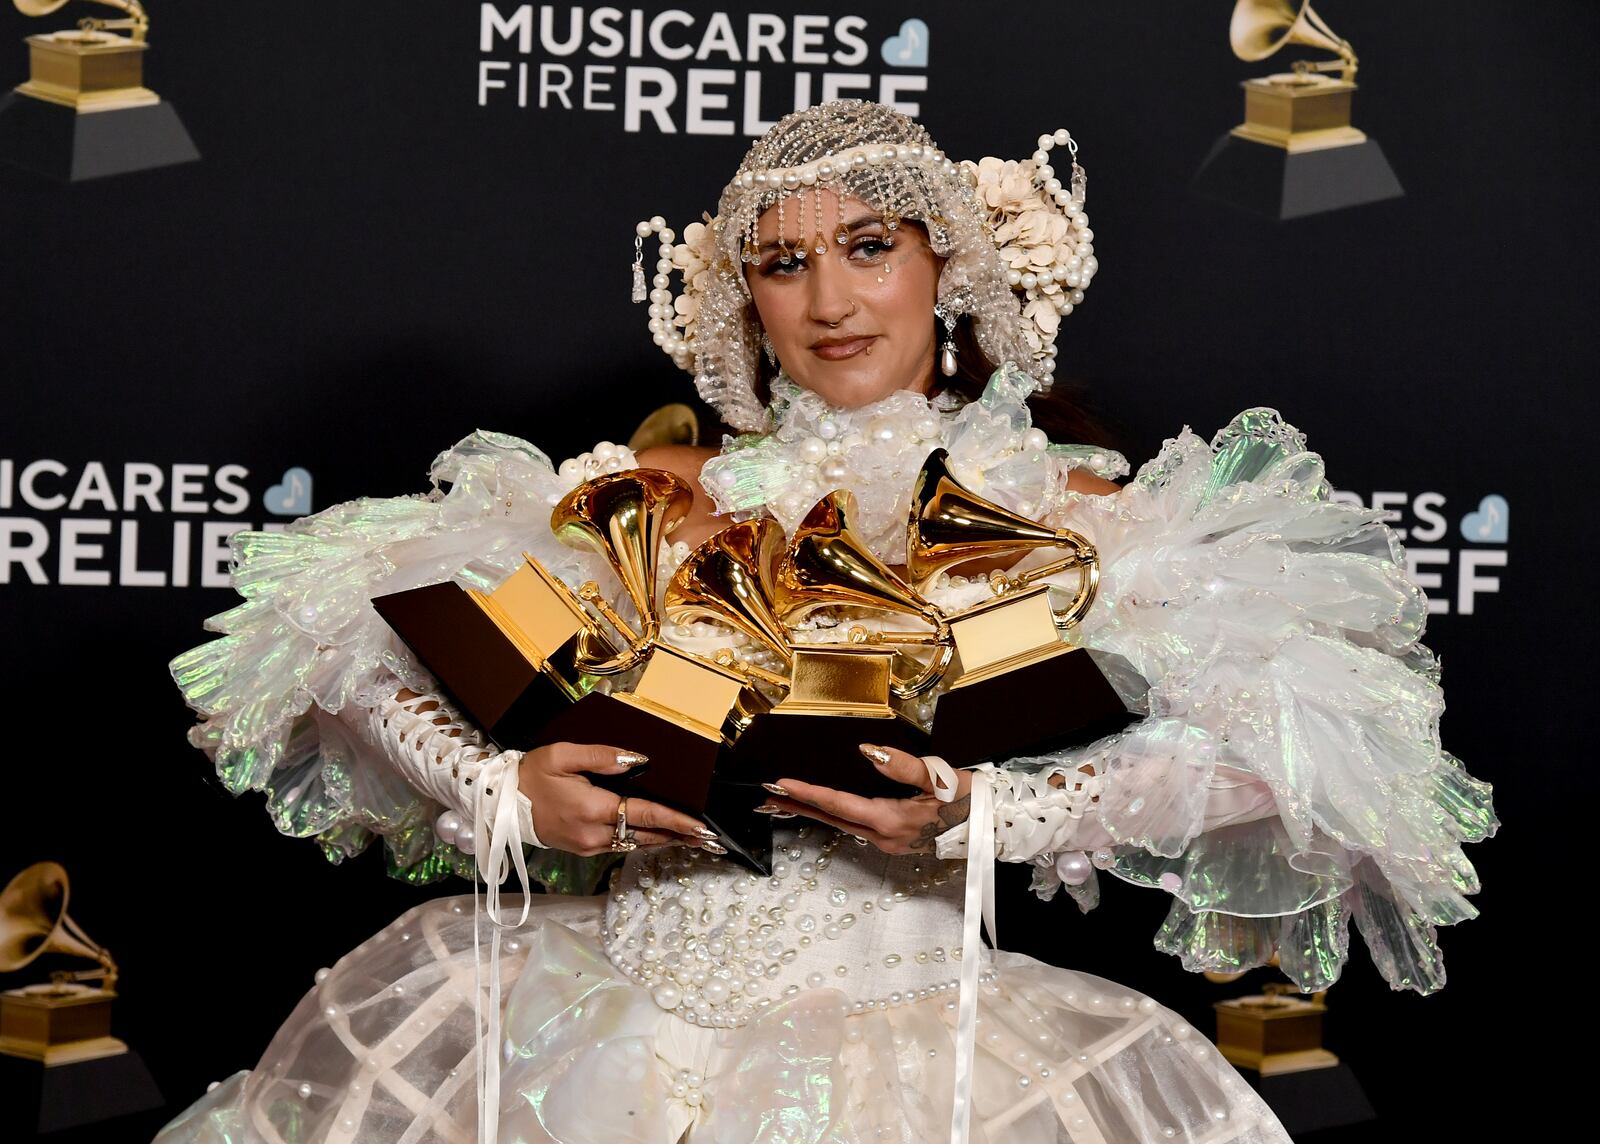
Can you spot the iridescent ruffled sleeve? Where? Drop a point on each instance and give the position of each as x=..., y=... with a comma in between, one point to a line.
x=1289, y=776
x=285, y=695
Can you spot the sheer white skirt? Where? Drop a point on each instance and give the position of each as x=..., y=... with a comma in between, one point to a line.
x=385, y=1048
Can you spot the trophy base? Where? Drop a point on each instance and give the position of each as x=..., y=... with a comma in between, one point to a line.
x=43, y=1097
x=506, y=694
x=825, y=750
x=1282, y=182
x=683, y=763
x=1313, y=1099
x=1060, y=700
x=61, y=143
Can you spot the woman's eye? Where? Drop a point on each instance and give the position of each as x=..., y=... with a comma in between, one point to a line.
x=869, y=247
x=778, y=268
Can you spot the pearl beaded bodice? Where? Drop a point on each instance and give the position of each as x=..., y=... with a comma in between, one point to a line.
x=717, y=943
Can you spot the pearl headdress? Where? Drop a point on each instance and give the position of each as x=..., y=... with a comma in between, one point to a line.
x=1016, y=242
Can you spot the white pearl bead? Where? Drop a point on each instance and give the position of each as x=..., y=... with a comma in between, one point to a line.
x=667, y=996
x=1073, y=868
x=813, y=450
x=305, y=1091
x=447, y=826
x=1061, y=136
x=642, y=230
x=657, y=222
x=466, y=839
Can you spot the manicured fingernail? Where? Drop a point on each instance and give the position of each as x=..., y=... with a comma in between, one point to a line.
x=876, y=754
x=626, y=759
x=774, y=788
x=705, y=832
x=783, y=814
x=713, y=847
x=768, y=808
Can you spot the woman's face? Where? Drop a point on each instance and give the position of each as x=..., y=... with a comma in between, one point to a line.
x=854, y=324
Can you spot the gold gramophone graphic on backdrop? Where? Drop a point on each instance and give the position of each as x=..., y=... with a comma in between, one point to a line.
x=84, y=111
x=65, y=1069
x=1296, y=153
x=66, y=1020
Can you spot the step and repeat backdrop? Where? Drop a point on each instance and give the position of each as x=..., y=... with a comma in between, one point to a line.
x=405, y=222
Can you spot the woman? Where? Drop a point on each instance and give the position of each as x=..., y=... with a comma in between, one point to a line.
x=843, y=309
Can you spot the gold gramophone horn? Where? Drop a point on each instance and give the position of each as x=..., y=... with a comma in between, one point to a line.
x=624, y=517
x=827, y=564
x=1261, y=27
x=950, y=525
x=726, y=580
x=34, y=921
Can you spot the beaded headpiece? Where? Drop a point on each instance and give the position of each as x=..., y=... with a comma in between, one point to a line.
x=1018, y=252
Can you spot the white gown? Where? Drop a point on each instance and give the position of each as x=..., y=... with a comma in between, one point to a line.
x=695, y=1000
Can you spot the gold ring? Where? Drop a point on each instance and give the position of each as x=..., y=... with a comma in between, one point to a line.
x=621, y=840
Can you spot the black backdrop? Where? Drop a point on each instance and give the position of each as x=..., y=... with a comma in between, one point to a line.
x=367, y=264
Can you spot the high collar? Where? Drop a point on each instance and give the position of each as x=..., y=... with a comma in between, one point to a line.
x=876, y=450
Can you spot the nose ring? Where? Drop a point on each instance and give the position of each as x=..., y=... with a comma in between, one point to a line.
x=851, y=314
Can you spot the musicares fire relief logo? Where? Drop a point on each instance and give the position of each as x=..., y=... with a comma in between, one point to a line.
x=672, y=71
x=131, y=524
x=1453, y=578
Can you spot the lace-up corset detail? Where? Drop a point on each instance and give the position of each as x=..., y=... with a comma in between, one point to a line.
x=717, y=943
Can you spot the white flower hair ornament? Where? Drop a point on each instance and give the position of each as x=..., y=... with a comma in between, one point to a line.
x=1018, y=252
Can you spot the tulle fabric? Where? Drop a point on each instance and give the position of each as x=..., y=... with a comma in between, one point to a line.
x=306, y=644
x=1280, y=636
x=384, y=1049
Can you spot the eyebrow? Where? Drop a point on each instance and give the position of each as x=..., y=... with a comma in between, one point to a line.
x=861, y=223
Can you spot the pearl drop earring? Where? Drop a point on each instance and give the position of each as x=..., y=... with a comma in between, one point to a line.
x=947, y=352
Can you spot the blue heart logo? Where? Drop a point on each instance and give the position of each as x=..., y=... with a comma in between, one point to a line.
x=292, y=495
x=1491, y=524
x=909, y=49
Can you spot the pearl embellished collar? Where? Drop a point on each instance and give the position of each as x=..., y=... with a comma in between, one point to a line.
x=875, y=452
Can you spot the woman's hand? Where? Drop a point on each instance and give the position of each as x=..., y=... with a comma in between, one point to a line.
x=570, y=813
x=894, y=825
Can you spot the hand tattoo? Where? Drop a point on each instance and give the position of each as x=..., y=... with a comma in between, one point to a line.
x=950, y=814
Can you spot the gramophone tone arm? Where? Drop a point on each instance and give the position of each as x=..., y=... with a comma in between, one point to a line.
x=136, y=21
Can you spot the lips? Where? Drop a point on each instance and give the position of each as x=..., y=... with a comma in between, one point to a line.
x=838, y=349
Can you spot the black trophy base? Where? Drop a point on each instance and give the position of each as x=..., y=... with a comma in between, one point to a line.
x=61, y=144
x=1280, y=184
x=1059, y=702
x=493, y=682
x=824, y=750
x=680, y=772
x=40, y=1100
x=1314, y=1099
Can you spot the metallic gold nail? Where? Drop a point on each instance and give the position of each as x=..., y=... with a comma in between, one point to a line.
x=626, y=759
x=774, y=788
x=876, y=754
x=768, y=808
x=705, y=832
x=713, y=847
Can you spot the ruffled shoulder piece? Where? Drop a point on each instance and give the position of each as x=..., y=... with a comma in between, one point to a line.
x=305, y=643
x=1281, y=637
